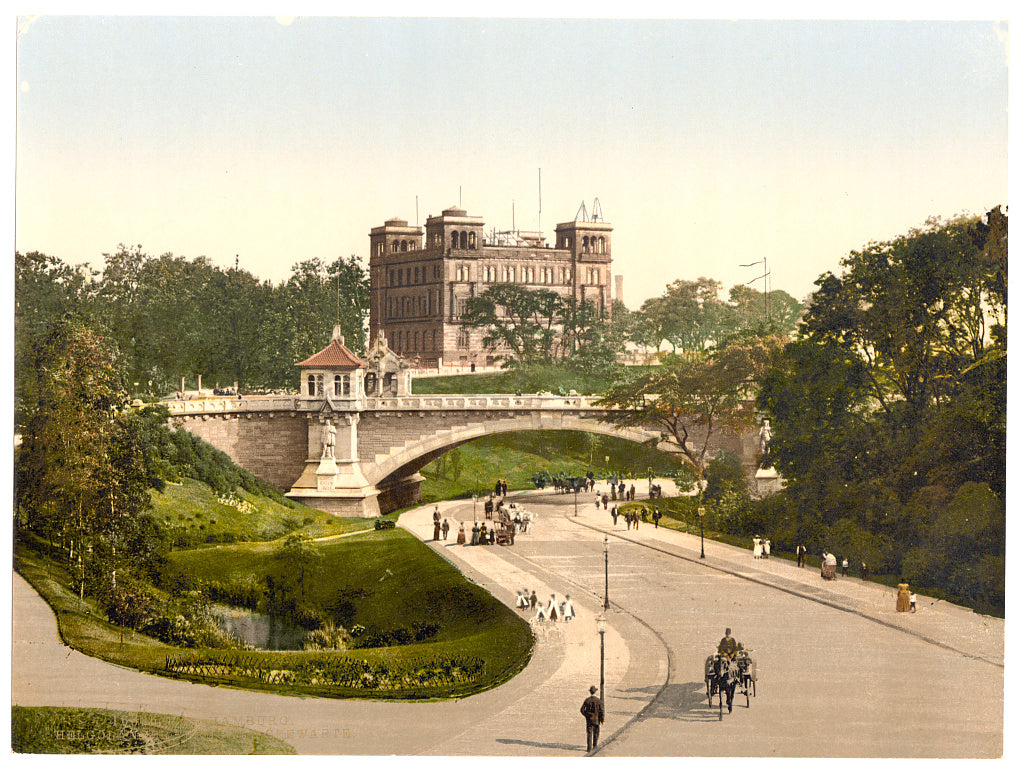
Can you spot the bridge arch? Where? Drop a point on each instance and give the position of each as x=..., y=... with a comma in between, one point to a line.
x=413, y=456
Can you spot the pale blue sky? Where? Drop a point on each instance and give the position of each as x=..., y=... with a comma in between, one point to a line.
x=708, y=143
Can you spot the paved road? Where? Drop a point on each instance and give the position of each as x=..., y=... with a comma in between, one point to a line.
x=840, y=673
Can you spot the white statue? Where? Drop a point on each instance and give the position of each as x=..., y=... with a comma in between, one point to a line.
x=764, y=437
x=328, y=441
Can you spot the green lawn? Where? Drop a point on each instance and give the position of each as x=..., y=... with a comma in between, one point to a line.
x=70, y=730
x=191, y=514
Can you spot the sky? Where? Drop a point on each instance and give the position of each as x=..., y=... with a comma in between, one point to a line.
x=708, y=143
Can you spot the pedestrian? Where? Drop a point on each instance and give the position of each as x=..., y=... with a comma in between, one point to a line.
x=632, y=491
x=521, y=602
x=615, y=515
x=656, y=517
x=593, y=711
x=846, y=567
x=533, y=599
x=552, y=609
x=444, y=529
x=490, y=537
x=437, y=527
x=597, y=502
x=461, y=539
x=757, y=547
x=568, y=611
x=604, y=501
x=913, y=602
x=863, y=570
x=767, y=548
x=474, y=538
x=801, y=552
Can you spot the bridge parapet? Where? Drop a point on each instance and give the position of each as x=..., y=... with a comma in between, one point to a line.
x=295, y=402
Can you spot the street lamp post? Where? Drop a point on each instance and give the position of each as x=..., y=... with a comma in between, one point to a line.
x=605, y=572
x=700, y=512
x=474, y=508
x=602, y=624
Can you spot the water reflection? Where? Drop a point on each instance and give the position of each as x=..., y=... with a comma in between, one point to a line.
x=264, y=632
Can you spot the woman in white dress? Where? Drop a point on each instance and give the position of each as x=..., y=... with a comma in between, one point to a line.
x=552, y=611
x=568, y=611
x=757, y=546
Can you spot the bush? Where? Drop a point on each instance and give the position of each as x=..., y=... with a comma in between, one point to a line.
x=330, y=636
x=383, y=524
x=130, y=606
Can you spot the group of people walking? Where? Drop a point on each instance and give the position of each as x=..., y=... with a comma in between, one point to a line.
x=552, y=610
x=633, y=518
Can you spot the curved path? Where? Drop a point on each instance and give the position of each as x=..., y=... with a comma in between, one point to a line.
x=840, y=673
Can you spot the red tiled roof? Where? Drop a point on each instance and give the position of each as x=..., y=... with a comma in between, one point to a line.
x=334, y=355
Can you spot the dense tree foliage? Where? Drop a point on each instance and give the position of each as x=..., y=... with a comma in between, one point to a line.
x=83, y=468
x=693, y=318
x=171, y=317
x=889, y=411
x=536, y=328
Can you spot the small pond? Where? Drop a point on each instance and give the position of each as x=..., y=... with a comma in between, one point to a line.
x=264, y=632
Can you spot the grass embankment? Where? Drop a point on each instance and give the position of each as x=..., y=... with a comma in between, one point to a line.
x=69, y=730
x=191, y=515
x=474, y=467
x=383, y=581
x=386, y=580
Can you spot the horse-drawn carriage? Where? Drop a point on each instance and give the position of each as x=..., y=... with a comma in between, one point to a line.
x=504, y=532
x=723, y=676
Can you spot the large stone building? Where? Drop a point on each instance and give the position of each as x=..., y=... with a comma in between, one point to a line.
x=420, y=281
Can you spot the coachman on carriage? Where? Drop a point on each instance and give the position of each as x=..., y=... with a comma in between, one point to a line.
x=731, y=667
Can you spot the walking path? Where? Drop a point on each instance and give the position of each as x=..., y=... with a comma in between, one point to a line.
x=936, y=621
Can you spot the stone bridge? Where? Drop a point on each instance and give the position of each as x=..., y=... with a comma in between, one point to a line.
x=381, y=443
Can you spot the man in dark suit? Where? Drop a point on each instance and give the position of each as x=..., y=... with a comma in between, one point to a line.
x=727, y=647
x=593, y=711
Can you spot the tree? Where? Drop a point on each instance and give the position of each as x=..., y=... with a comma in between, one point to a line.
x=82, y=476
x=690, y=400
x=295, y=568
x=515, y=319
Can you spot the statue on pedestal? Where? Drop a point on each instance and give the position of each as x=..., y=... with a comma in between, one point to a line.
x=764, y=438
x=327, y=439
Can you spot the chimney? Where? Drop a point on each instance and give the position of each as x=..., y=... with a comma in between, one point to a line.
x=336, y=334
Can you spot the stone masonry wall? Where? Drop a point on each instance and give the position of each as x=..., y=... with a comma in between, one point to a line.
x=270, y=446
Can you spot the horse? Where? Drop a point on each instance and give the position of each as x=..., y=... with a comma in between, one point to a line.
x=721, y=674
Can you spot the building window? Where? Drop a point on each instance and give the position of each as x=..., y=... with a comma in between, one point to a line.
x=370, y=384
x=463, y=339
x=337, y=385
x=472, y=240
x=346, y=385
x=311, y=382
x=455, y=240
x=394, y=246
